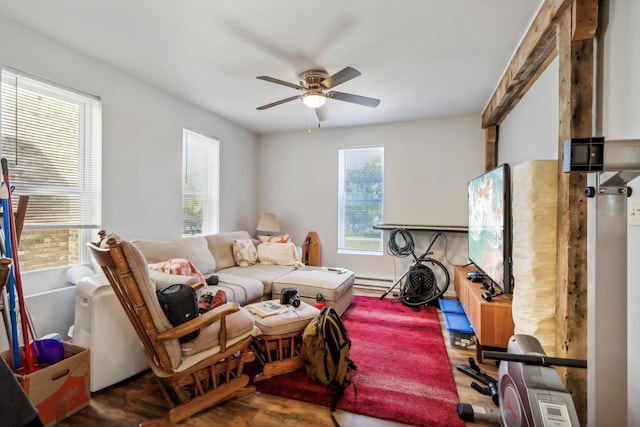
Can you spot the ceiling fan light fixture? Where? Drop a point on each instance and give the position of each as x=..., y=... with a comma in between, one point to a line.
x=314, y=100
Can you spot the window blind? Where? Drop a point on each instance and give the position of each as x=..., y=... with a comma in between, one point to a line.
x=51, y=137
x=200, y=171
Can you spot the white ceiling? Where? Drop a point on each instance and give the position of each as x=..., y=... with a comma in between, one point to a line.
x=421, y=58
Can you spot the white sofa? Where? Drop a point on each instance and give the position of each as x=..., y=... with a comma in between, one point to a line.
x=278, y=266
x=213, y=255
x=101, y=324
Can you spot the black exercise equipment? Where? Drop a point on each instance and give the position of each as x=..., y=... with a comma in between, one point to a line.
x=530, y=392
x=474, y=371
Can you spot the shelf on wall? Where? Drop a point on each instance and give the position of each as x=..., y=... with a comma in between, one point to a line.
x=418, y=227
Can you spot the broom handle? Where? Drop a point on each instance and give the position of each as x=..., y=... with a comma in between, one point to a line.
x=15, y=346
x=28, y=351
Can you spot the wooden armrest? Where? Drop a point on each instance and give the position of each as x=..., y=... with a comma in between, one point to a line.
x=201, y=321
x=196, y=285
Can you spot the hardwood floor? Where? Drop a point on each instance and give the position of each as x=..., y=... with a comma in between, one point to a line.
x=107, y=406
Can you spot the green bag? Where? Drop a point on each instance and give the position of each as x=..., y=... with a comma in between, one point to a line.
x=325, y=350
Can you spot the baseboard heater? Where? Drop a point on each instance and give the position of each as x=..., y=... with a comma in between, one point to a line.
x=382, y=284
x=375, y=283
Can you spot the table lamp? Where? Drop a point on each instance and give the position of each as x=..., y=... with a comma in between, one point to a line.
x=268, y=224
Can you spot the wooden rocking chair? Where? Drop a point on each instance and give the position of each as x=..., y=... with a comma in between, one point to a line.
x=194, y=375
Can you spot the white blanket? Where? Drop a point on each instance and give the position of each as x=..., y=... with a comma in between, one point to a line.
x=278, y=254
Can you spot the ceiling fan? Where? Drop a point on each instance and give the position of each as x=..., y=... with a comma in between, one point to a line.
x=314, y=83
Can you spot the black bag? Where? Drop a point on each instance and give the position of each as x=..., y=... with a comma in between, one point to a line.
x=180, y=304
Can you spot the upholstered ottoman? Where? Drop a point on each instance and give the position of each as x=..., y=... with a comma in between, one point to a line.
x=279, y=347
x=336, y=287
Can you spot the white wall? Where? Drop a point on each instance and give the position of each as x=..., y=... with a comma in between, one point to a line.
x=142, y=146
x=530, y=131
x=427, y=167
x=142, y=140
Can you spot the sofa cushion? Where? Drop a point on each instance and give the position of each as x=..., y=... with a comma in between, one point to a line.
x=164, y=280
x=221, y=246
x=194, y=249
x=179, y=266
x=244, y=252
x=243, y=290
x=264, y=273
x=239, y=323
x=336, y=288
x=140, y=271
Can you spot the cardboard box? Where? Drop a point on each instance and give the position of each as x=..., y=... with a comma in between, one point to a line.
x=58, y=390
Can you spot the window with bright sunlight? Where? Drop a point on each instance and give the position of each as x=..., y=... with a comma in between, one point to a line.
x=200, y=172
x=360, y=200
x=51, y=138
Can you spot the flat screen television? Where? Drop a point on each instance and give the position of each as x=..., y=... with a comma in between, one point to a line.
x=490, y=225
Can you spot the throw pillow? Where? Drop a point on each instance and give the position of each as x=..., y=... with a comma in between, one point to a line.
x=279, y=254
x=282, y=238
x=244, y=252
x=179, y=266
x=195, y=249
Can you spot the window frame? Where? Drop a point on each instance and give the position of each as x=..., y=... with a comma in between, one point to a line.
x=211, y=195
x=88, y=162
x=342, y=159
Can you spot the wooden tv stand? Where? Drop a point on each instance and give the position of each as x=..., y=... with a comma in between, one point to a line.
x=492, y=321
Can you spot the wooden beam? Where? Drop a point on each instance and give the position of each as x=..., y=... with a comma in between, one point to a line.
x=490, y=147
x=528, y=62
x=584, y=19
x=575, y=110
x=21, y=213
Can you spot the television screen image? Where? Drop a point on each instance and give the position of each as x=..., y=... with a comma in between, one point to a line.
x=490, y=225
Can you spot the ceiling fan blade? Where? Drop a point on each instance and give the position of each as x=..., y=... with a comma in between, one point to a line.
x=282, y=101
x=340, y=77
x=356, y=99
x=280, y=82
x=322, y=113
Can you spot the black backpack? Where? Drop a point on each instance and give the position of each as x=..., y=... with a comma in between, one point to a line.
x=180, y=304
x=325, y=350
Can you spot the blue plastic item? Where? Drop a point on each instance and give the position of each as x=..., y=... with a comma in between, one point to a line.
x=52, y=336
x=49, y=351
x=451, y=306
x=457, y=323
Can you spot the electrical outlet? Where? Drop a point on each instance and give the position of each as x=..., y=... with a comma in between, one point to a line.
x=633, y=212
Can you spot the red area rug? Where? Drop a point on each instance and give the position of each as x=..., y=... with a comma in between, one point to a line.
x=403, y=374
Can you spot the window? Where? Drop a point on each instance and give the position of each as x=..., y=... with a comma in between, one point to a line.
x=360, y=200
x=200, y=170
x=51, y=138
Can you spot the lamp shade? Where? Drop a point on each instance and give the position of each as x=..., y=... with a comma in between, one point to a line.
x=314, y=100
x=268, y=223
